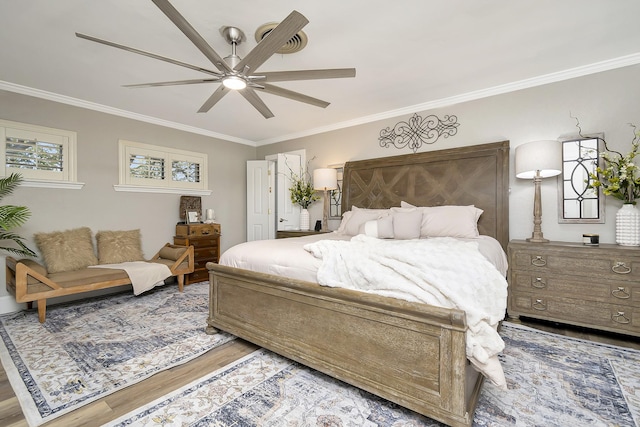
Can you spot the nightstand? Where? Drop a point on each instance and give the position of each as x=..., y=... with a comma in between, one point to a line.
x=296, y=233
x=592, y=286
x=205, y=239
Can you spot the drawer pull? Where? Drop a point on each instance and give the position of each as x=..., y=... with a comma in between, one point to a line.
x=539, y=261
x=539, y=283
x=621, y=293
x=621, y=268
x=539, y=305
x=620, y=318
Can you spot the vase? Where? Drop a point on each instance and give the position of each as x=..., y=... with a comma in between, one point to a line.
x=304, y=220
x=628, y=225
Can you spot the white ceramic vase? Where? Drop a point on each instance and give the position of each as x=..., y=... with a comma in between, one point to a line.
x=304, y=220
x=628, y=225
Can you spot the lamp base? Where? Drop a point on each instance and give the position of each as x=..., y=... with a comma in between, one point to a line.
x=537, y=238
x=325, y=213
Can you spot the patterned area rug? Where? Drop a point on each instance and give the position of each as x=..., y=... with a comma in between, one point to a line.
x=86, y=350
x=553, y=381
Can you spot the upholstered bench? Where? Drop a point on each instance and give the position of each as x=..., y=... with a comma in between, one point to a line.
x=29, y=280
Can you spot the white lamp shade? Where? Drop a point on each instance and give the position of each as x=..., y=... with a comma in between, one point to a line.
x=543, y=156
x=325, y=179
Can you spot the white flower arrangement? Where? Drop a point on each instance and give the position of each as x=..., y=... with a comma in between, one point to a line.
x=620, y=176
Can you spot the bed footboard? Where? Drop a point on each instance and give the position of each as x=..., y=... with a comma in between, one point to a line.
x=411, y=354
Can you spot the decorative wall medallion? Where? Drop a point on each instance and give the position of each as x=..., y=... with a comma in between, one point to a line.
x=417, y=131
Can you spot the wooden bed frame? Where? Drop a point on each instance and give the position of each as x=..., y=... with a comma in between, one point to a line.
x=409, y=353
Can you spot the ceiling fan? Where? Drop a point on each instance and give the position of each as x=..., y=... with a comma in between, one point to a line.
x=238, y=74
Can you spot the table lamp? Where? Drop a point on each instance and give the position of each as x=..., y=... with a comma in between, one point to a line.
x=536, y=160
x=325, y=179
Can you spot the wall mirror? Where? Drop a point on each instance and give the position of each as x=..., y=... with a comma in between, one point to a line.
x=578, y=203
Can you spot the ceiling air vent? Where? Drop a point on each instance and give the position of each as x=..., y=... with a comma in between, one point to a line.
x=295, y=43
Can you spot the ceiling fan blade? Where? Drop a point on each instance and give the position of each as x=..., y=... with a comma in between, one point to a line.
x=192, y=34
x=288, y=76
x=174, y=83
x=214, y=98
x=253, y=98
x=286, y=93
x=149, y=54
x=274, y=41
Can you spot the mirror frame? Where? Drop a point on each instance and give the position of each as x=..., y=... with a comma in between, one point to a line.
x=561, y=179
x=335, y=203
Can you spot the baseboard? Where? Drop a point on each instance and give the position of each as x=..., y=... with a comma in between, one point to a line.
x=8, y=304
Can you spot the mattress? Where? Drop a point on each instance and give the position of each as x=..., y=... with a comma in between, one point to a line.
x=288, y=258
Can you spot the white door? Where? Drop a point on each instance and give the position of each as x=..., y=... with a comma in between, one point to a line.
x=288, y=213
x=260, y=200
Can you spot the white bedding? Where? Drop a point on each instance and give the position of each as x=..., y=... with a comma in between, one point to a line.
x=288, y=257
x=444, y=272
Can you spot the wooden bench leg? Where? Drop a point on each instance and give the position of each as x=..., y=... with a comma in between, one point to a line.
x=42, y=310
x=181, y=282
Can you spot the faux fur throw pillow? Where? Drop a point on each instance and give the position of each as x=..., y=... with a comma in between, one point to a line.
x=66, y=250
x=115, y=247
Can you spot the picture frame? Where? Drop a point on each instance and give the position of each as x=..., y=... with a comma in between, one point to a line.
x=190, y=203
x=192, y=217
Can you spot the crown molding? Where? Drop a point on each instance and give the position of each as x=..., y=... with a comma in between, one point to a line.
x=598, y=67
x=24, y=90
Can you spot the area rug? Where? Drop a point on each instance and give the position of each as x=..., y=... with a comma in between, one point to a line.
x=86, y=350
x=553, y=381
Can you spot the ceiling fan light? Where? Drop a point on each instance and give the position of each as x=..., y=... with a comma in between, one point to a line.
x=234, y=83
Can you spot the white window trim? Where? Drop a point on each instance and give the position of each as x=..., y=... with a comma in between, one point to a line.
x=70, y=156
x=124, y=148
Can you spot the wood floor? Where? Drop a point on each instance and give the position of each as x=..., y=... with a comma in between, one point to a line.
x=126, y=400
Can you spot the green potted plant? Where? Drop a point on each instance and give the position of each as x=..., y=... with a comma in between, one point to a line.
x=620, y=178
x=302, y=193
x=12, y=217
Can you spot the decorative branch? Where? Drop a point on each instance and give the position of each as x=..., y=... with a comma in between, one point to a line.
x=417, y=131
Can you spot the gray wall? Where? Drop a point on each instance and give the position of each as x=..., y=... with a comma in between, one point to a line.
x=604, y=102
x=97, y=205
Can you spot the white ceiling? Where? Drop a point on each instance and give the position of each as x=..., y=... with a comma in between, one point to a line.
x=410, y=55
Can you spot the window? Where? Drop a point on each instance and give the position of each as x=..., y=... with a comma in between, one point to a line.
x=45, y=157
x=151, y=168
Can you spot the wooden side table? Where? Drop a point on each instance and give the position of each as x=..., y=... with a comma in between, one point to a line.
x=592, y=286
x=205, y=239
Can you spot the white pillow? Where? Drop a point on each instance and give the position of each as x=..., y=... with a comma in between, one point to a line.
x=449, y=221
x=343, y=222
x=359, y=216
x=380, y=228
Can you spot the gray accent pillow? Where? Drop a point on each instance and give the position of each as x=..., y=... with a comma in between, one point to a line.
x=406, y=223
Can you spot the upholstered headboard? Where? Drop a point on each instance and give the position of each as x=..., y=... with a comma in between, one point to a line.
x=476, y=175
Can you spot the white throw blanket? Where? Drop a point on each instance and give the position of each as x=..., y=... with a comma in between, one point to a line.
x=441, y=271
x=143, y=275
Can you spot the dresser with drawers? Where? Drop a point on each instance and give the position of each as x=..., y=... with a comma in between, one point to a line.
x=592, y=286
x=205, y=239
